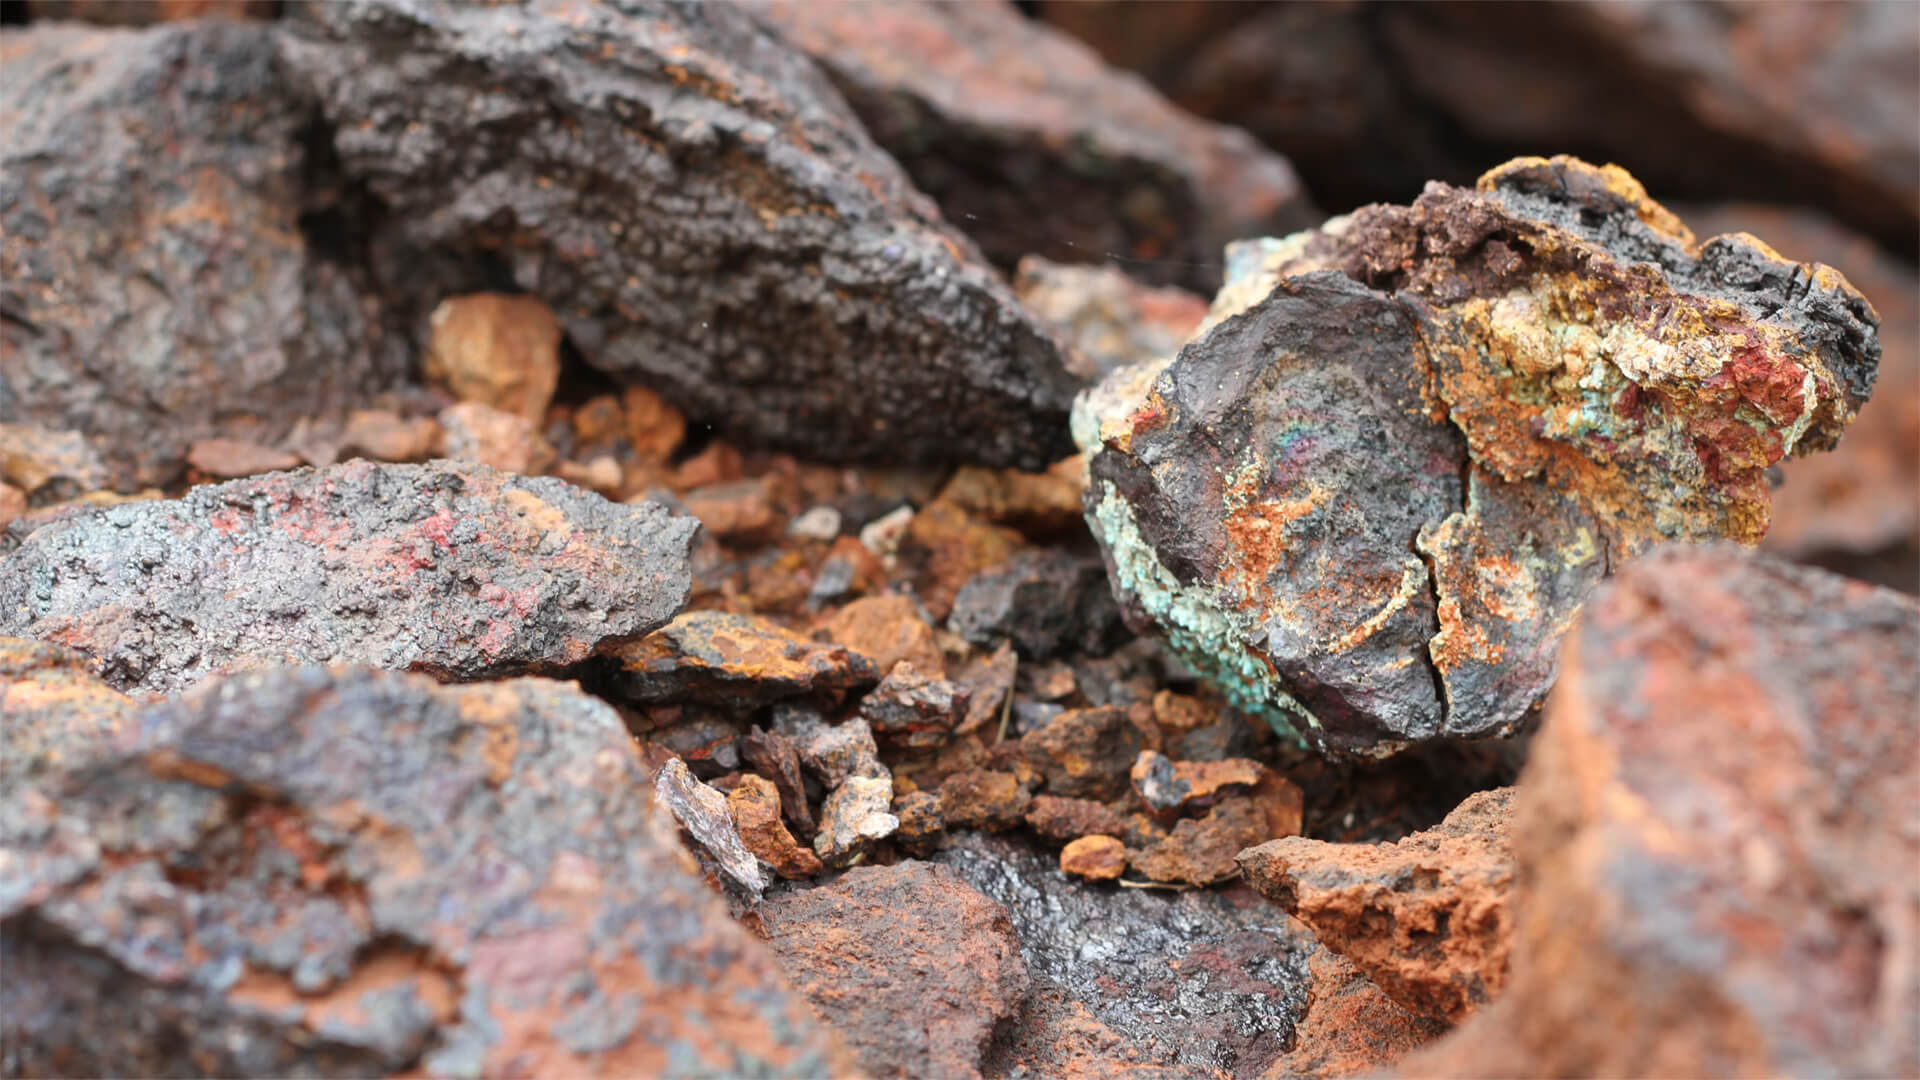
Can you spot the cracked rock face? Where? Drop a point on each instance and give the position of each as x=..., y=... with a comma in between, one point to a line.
x=450, y=568
x=702, y=210
x=341, y=871
x=1369, y=498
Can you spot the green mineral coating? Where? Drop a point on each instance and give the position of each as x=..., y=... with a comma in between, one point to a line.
x=1195, y=623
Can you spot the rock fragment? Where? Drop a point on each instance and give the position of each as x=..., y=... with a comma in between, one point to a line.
x=1040, y=505
x=1167, y=786
x=49, y=466
x=1113, y=320
x=57, y=712
x=1044, y=600
x=306, y=871
x=499, y=351
x=1096, y=858
x=472, y=431
x=1716, y=828
x=706, y=815
x=1058, y=818
x=1560, y=377
x=913, y=711
x=1428, y=918
x=702, y=211
x=449, y=568
x=1029, y=142
x=1086, y=753
x=911, y=964
x=983, y=799
x=1351, y=1028
x=740, y=661
x=755, y=805
x=853, y=816
x=230, y=459
x=1201, y=851
x=158, y=285
x=831, y=752
x=921, y=827
x=772, y=755
x=889, y=629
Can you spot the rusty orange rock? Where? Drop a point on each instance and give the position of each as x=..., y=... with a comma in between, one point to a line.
x=722, y=658
x=1096, y=858
x=500, y=351
x=755, y=805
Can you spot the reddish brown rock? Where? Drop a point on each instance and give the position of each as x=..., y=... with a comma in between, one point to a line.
x=57, y=712
x=1202, y=851
x=773, y=756
x=911, y=710
x=145, y=12
x=989, y=680
x=230, y=459
x=1714, y=835
x=1428, y=918
x=499, y=351
x=159, y=287
x=1096, y=858
x=1040, y=505
x=738, y=513
x=702, y=211
x=1352, y=1028
x=1169, y=787
x=13, y=505
x=909, y=963
x=49, y=466
x=889, y=629
x=307, y=871
x=1087, y=753
x=949, y=547
x=921, y=826
x=1059, y=818
x=654, y=427
x=736, y=660
x=755, y=805
x=449, y=568
x=506, y=441
x=983, y=799
x=384, y=435
x=1114, y=320
x=1029, y=142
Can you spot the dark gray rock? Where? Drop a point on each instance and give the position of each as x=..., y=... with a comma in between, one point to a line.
x=450, y=568
x=1044, y=600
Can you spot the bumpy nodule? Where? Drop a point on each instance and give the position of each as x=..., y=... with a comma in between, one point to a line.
x=1372, y=493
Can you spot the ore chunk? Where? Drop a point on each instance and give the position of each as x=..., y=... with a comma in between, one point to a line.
x=772, y=755
x=1370, y=498
x=342, y=871
x=911, y=710
x=155, y=284
x=1087, y=753
x=910, y=963
x=718, y=658
x=1428, y=918
x=448, y=568
x=1044, y=600
x=705, y=814
x=853, y=816
x=1728, y=769
x=1030, y=142
x=755, y=805
x=701, y=209
x=54, y=711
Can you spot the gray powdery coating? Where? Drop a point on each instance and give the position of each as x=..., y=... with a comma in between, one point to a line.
x=703, y=211
x=448, y=567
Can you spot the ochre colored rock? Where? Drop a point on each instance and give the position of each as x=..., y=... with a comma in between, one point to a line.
x=755, y=805
x=472, y=431
x=736, y=660
x=1351, y=1028
x=1369, y=499
x=983, y=799
x=499, y=351
x=1428, y=918
x=1087, y=753
x=1096, y=858
x=55, y=712
x=1058, y=818
x=889, y=629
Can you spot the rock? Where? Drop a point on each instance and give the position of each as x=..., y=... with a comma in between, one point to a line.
x=1428, y=918
x=1027, y=139
x=914, y=967
x=144, y=12
x=229, y=459
x=1057, y=818
x=307, y=871
x=755, y=805
x=495, y=350
x=1167, y=787
x=889, y=629
x=1086, y=753
x=384, y=435
x=1804, y=103
x=703, y=212
x=13, y=506
x=772, y=755
x=983, y=799
x=831, y=752
x=1565, y=377
x=49, y=466
x=921, y=827
x=1113, y=320
x=447, y=568
x=654, y=427
x=1096, y=858
x=1201, y=851
x=853, y=816
x=471, y=431
x=706, y=740
x=706, y=815
x=821, y=523
x=1040, y=505
x=989, y=680
x=59, y=714
x=913, y=711
x=1351, y=1028
x=1203, y=983
x=948, y=548
x=159, y=287
x=1716, y=828
x=738, y=661
x=739, y=513
x=1044, y=600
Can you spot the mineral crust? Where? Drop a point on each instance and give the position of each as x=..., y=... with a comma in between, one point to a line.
x=1370, y=496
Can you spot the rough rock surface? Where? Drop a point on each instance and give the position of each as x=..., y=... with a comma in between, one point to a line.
x=500, y=351
x=1428, y=918
x=702, y=210
x=1206, y=983
x=1045, y=601
x=308, y=871
x=913, y=966
x=448, y=568
x=1714, y=837
x=155, y=284
x=1113, y=320
x=1371, y=497
x=737, y=661
x=707, y=815
x=54, y=711
x=1030, y=143
x=1351, y=1028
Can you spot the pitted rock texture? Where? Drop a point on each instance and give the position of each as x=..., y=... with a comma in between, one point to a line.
x=1030, y=143
x=1208, y=983
x=1427, y=917
x=1369, y=498
x=1714, y=837
x=311, y=871
x=449, y=568
x=155, y=285
x=701, y=209
x=914, y=967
